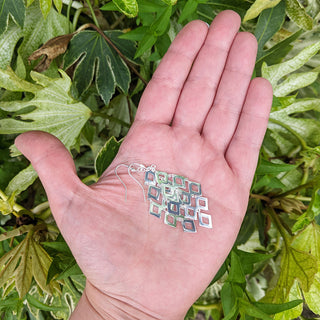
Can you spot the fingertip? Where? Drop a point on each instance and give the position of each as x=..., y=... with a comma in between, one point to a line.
x=197, y=26
x=264, y=86
x=230, y=16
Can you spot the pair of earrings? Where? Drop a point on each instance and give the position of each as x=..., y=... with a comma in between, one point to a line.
x=171, y=196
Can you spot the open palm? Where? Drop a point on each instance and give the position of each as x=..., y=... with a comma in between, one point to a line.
x=201, y=117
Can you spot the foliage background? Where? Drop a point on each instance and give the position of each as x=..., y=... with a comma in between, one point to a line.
x=77, y=69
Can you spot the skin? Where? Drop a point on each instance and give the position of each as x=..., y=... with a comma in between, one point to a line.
x=201, y=116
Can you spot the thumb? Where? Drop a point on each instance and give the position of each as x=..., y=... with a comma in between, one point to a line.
x=55, y=168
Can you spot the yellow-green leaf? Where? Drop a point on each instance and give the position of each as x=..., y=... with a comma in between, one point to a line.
x=58, y=4
x=309, y=240
x=26, y=261
x=56, y=111
x=297, y=13
x=275, y=72
x=258, y=6
x=295, y=265
x=312, y=297
x=170, y=2
x=45, y=6
x=295, y=312
x=128, y=7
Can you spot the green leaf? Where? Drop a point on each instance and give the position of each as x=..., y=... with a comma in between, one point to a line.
x=276, y=72
x=128, y=7
x=308, y=240
x=267, y=167
x=236, y=273
x=248, y=259
x=294, y=312
x=305, y=130
x=56, y=111
x=189, y=8
x=121, y=114
x=276, y=53
x=21, y=181
x=26, y=261
x=13, y=8
x=312, y=297
x=295, y=265
x=258, y=6
x=38, y=30
x=106, y=155
x=45, y=6
x=297, y=13
x=146, y=43
x=58, y=4
x=229, y=296
x=312, y=211
x=160, y=25
x=96, y=59
x=170, y=2
x=109, y=6
x=8, y=41
x=294, y=82
x=273, y=308
x=269, y=22
x=41, y=306
x=247, y=308
x=157, y=28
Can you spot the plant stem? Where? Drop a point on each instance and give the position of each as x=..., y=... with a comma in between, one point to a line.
x=118, y=21
x=76, y=18
x=94, y=18
x=301, y=140
x=92, y=177
x=129, y=64
x=273, y=215
x=42, y=206
x=68, y=14
x=309, y=184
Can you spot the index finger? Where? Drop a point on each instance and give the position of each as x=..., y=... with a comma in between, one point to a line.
x=161, y=96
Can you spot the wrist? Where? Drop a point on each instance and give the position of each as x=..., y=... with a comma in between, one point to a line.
x=96, y=305
x=85, y=310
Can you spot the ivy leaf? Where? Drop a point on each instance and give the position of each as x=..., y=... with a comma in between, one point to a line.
x=26, y=261
x=38, y=30
x=297, y=13
x=295, y=265
x=106, y=155
x=128, y=7
x=257, y=7
x=55, y=111
x=16, y=10
x=96, y=59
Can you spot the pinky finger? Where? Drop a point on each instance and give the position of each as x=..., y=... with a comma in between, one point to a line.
x=243, y=151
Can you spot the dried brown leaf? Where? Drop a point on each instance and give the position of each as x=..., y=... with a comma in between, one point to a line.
x=50, y=50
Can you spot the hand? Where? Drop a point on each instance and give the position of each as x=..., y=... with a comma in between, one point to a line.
x=200, y=116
